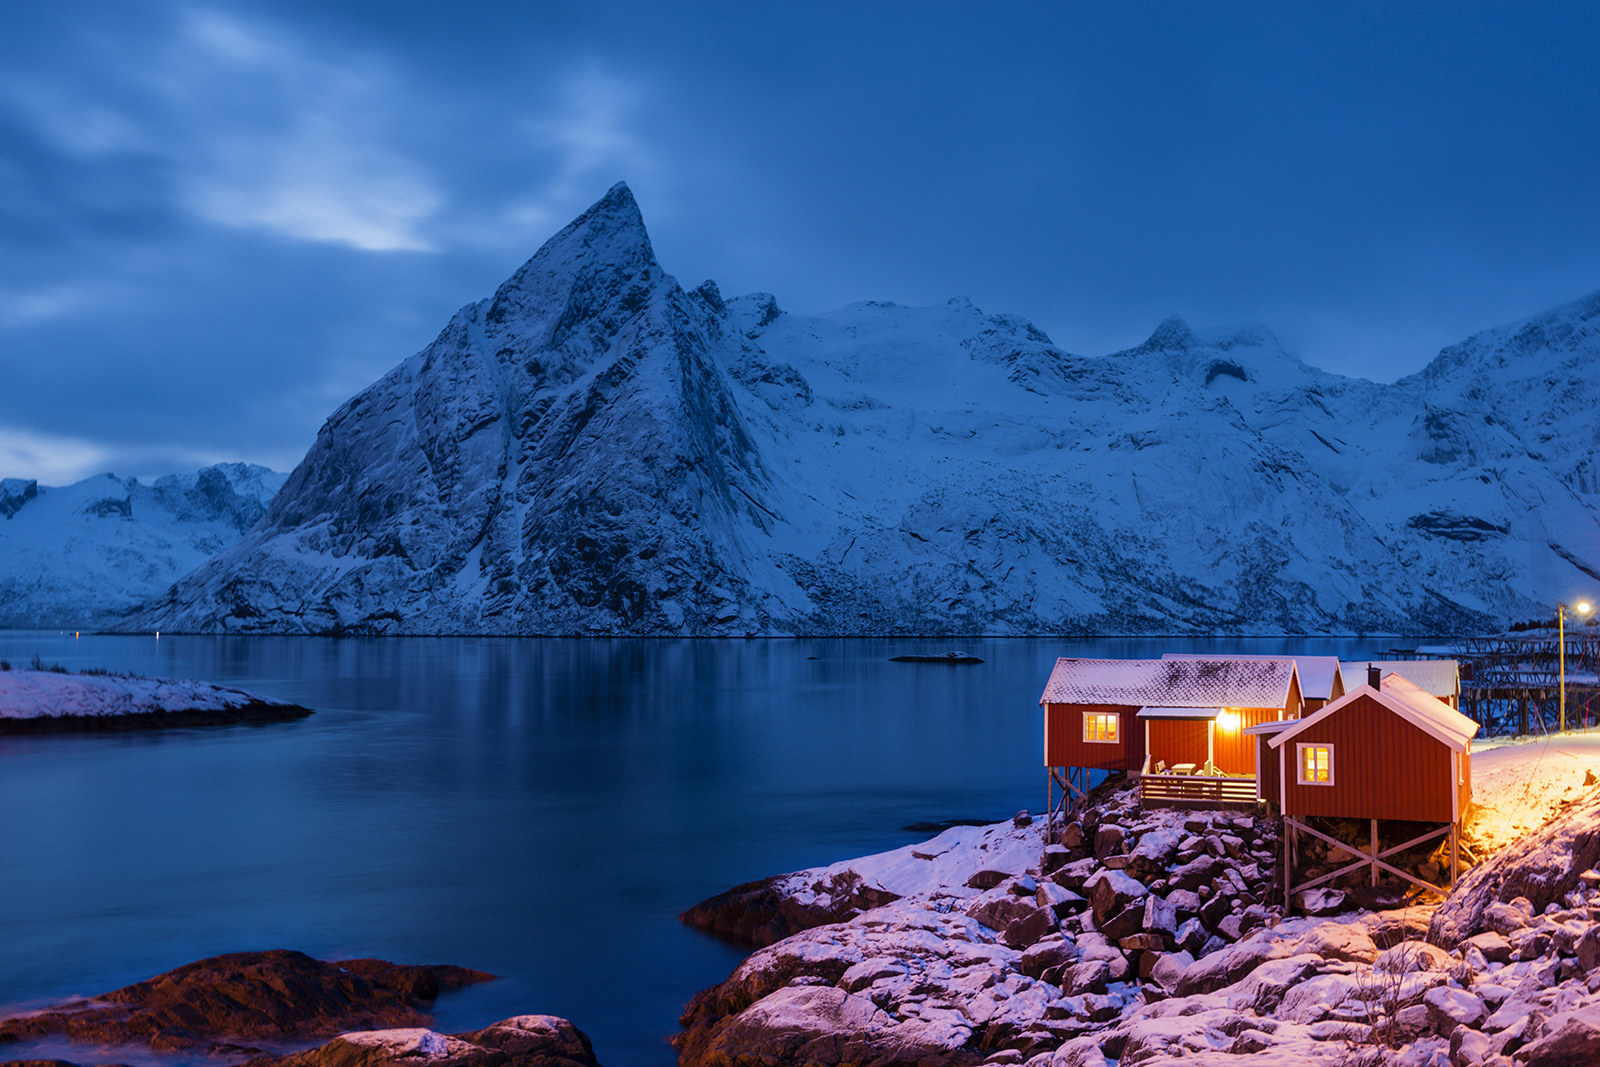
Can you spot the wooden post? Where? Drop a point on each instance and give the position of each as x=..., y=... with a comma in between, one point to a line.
x=1288, y=863
x=1374, y=852
x=1455, y=853
x=1211, y=739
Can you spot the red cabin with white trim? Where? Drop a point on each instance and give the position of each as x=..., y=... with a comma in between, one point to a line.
x=1395, y=752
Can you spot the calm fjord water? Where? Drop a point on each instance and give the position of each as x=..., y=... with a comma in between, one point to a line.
x=538, y=808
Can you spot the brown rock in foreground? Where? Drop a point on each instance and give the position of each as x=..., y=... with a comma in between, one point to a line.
x=521, y=1041
x=273, y=994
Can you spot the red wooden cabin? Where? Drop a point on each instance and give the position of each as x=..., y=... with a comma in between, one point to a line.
x=1175, y=715
x=1388, y=751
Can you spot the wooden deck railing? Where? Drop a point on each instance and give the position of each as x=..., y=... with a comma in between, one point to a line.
x=1196, y=791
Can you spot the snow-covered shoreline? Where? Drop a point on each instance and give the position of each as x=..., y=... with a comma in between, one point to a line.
x=1136, y=937
x=53, y=702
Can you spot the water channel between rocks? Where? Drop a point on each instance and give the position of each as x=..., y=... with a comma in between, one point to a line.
x=538, y=808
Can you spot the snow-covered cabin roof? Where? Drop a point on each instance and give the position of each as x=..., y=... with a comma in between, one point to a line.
x=1179, y=713
x=1441, y=677
x=1171, y=683
x=1421, y=709
x=1316, y=672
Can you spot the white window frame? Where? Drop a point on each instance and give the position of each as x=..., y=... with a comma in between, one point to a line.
x=1300, y=762
x=1116, y=727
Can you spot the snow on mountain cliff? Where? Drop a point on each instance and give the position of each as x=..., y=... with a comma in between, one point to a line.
x=595, y=449
x=89, y=553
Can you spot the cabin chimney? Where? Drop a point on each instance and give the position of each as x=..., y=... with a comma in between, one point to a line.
x=1375, y=677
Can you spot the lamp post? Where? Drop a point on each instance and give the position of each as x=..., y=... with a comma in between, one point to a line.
x=1582, y=607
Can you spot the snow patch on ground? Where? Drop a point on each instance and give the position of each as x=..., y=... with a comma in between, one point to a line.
x=1520, y=784
x=941, y=866
x=47, y=694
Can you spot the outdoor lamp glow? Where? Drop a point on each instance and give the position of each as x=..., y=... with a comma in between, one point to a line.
x=1228, y=720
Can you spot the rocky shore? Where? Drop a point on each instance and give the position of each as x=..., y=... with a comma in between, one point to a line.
x=374, y=1011
x=53, y=701
x=1141, y=936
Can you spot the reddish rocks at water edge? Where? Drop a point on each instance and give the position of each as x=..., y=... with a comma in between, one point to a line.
x=275, y=994
x=521, y=1041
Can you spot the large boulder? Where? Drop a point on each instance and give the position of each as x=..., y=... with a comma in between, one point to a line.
x=1571, y=1039
x=1340, y=941
x=761, y=913
x=1110, y=893
x=1233, y=963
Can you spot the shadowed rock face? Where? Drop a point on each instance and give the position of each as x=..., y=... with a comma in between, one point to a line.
x=273, y=994
x=564, y=458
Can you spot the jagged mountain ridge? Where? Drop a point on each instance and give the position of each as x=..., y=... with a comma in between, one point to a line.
x=90, y=553
x=595, y=449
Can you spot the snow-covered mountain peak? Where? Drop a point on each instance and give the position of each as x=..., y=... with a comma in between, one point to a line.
x=595, y=273
x=753, y=312
x=89, y=553
x=1247, y=335
x=1570, y=333
x=1172, y=335
x=595, y=450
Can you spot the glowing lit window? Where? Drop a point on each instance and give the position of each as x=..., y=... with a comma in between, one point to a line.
x=1101, y=727
x=1316, y=764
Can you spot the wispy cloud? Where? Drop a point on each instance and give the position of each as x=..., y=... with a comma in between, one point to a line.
x=307, y=149
x=257, y=129
x=22, y=307
x=50, y=459
x=588, y=137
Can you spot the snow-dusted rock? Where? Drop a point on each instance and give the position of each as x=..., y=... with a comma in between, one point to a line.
x=595, y=449
x=1412, y=956
x=1315, y=998
x=1110, y=893
x=773, y=908
x=1570, y=1039
x=521, y=1041
x=1233, y=963
x=1340, y=941
x=1449, y=1008
x=903, y=983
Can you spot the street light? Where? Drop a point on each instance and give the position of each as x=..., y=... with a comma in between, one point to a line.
x=1582, y=607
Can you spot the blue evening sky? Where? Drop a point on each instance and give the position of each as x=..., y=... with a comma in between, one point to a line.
x=219, y=220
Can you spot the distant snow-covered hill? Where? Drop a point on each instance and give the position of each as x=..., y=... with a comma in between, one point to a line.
x=90, y=553
x=595, y=449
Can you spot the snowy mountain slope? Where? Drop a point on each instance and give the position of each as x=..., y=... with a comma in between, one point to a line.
x=597, y=450
x=87, y=554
